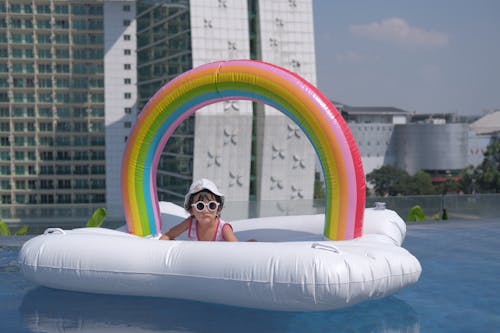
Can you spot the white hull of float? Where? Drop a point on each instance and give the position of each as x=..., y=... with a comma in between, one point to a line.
x=291, y=267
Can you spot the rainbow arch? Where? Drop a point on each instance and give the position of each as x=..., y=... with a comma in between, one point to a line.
x=244, y=80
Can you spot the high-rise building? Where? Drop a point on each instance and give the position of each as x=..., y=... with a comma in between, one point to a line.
x=251, y=151
x=67, y=102
x=75, y=74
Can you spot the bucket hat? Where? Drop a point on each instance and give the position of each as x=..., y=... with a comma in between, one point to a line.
x=200, y=185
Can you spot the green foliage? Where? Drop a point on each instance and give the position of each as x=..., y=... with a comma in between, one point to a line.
x=319, y=190
x=416, y=214
x=419, y=184
x=97, y=218
x=22, y=231
x=5, y=230
x=449, y=186
x=389, y=180
x=445, y=214
x=486, y=176
x=467, y=181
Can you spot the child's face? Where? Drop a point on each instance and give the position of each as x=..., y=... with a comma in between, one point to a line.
x=205, y=207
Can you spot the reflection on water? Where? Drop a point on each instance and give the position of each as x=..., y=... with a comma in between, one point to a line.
x=47, y=310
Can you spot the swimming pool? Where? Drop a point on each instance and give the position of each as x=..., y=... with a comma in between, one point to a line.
x=457, y=292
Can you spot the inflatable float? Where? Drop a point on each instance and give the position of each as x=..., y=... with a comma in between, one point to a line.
x=291, y=268
x=300, y=263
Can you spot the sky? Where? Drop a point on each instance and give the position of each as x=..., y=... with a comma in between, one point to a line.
x=423, y=56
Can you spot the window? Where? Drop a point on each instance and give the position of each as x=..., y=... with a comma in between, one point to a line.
x=62, y=39
x=18, y=127
x=20, y=198
x=43, y=39
x=19, y=155
x=43, y=9
x=61, y=9
x=126, y=8
x=126, y=37
x=61, y=24
x=127, y=52
x=127, y=81
x=47, y=198
x=127, y=66
x=127, y=95
x=127, y=124
x=20, y=170
x=6, y=199
x=128, y=110
x=126, y=23
x=5, y=127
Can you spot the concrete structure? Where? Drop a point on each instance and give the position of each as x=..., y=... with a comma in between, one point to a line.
x=438, y=143
x=223, y=131
x=373, y=129
x=431, y=147
x=120, y=73
x=285, y=160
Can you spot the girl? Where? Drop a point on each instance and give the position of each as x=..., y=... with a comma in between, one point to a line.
x=204, y=202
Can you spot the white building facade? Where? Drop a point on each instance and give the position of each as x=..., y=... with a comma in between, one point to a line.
x=223, y=131
x=120, y=89
x=286, y=161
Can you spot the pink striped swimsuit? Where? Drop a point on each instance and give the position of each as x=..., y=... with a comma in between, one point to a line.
x=192, y=232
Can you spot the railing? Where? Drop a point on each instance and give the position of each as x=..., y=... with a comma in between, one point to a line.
x=457, y=207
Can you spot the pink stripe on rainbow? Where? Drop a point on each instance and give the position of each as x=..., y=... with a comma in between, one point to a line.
x=244, y=80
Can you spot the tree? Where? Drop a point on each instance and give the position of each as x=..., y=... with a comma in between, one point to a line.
x=419, y=184
x=387, y=180
x=467, y=180
x=487, y=174
x=448, y=186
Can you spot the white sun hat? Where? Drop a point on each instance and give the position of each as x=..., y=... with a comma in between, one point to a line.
x=200, y=185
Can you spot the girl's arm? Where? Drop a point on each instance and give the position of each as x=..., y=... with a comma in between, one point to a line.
x=228, y=234
x=175, y=231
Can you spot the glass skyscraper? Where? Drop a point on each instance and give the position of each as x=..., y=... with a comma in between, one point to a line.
x=53, y=106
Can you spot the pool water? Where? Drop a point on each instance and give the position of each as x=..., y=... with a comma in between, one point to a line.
x=459, y=291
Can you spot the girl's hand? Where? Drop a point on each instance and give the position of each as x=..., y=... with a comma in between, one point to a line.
x=164, y=237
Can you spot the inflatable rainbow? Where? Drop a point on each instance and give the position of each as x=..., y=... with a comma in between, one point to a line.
x=244, y=80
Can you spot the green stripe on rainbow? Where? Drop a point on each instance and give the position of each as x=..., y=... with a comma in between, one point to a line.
x=244, y=80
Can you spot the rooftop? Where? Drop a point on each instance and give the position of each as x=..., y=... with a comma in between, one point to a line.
x=369, y=110
x=489, y=124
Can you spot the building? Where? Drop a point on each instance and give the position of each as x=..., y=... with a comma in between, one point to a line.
x=67, y=99
x=435, y=148
x=373, y=129
x=441, y=144
x=251, y=151
x=75, y=74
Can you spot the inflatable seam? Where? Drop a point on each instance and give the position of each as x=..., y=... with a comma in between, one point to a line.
x=386, y=277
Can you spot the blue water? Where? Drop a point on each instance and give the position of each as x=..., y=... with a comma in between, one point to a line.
x=459, y=291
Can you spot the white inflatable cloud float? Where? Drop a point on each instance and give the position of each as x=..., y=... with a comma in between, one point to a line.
x=291, y=267
x=301, y=263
